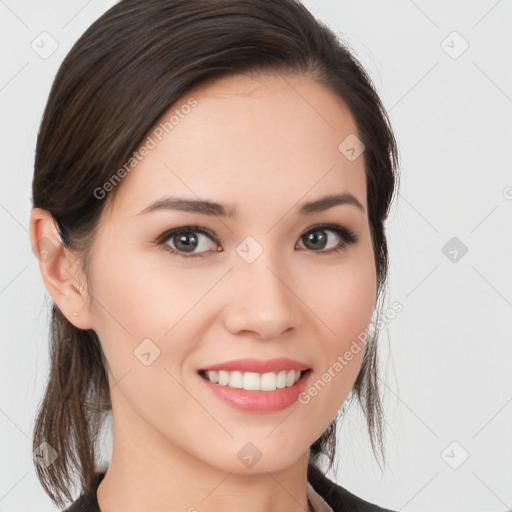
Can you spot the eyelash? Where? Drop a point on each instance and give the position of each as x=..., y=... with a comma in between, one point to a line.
x=348, y=238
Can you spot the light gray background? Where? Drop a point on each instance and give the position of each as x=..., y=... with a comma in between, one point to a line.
x=447, y=355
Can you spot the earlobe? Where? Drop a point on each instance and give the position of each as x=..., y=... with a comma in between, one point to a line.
x=59, y=269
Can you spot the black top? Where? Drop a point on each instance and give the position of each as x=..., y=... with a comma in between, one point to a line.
x=338, y=498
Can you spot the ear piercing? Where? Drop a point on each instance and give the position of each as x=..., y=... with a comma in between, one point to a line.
x=75, y=314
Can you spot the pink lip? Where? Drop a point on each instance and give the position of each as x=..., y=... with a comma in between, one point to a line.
x=259, y=365
x=259, y=401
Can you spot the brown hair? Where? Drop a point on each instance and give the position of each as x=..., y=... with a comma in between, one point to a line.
x=120, y=77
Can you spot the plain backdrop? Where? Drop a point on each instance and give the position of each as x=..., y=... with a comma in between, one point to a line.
x=444, y=73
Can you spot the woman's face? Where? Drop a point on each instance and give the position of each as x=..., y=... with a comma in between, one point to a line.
x=262, y=283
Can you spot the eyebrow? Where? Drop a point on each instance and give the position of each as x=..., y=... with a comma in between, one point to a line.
x=216, y=209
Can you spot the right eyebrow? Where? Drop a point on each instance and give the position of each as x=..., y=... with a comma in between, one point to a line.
x=327, y=202
x=190, y=205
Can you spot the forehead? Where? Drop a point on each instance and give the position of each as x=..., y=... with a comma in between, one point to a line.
x=248, y=141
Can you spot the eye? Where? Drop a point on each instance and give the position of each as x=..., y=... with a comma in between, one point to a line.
x=194, y=241
x=318, y=239
x=189, y=241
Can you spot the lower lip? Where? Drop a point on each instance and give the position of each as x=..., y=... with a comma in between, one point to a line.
x=259, y=401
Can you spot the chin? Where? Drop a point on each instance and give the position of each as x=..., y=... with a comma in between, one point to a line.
x=257, y=457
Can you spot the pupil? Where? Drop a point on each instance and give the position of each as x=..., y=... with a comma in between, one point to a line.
x=316, y=238
x=183, y=240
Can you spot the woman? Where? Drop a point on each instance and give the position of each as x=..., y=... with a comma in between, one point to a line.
x=210, y=189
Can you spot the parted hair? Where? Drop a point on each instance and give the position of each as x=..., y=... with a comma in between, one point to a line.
x=128, y=68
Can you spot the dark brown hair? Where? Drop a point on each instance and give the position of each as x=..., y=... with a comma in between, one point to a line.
x=131, y=65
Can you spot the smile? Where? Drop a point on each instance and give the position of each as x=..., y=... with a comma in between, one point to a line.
x=256, y=392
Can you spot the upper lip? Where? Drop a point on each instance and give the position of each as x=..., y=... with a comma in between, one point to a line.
x=259, y=365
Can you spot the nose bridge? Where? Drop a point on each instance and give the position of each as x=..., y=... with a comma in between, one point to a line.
x=262, y=302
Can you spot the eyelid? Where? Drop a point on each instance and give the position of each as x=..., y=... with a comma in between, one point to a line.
x=348, y=236
x=170, y=232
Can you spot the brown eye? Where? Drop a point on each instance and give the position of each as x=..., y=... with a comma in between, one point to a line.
x=316, y=239
x=189, y=241
x=186, y=241
x=327, y=238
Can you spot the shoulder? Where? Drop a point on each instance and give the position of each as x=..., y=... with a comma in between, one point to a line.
x=338, y=498
x=88, y=501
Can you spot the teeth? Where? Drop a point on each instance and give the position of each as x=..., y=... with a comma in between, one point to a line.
x=252, y=381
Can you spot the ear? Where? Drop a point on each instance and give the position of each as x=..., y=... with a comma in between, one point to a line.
x=59, y=269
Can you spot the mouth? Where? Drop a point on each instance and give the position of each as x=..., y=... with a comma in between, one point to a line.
x=254, y=381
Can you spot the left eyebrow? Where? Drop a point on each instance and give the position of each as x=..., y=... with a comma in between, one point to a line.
x=327, y=202
x=216, y=209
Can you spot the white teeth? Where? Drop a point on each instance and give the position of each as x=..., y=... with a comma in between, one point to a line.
x=268, y=382
x=252, y=381
x=281, y=380
x=236, y=380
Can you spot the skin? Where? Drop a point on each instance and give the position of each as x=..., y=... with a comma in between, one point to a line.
x=262, y=146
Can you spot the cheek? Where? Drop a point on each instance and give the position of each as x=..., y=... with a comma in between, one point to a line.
x=130, y=306
x=345, y=299
x=150, y=314
x=144, y=300
x=345, y=309
x=142, y=322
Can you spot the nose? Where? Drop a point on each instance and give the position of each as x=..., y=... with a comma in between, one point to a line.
x=262, y=304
